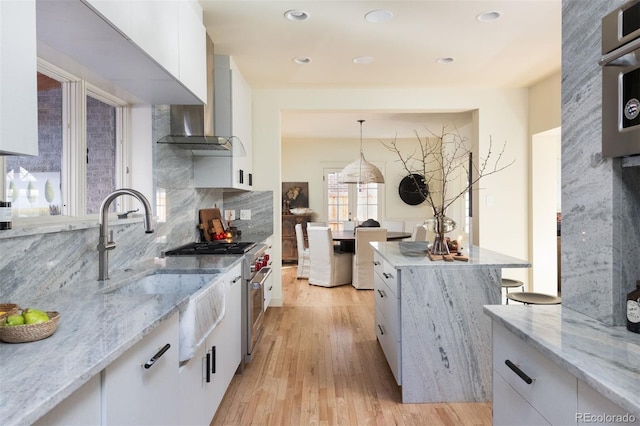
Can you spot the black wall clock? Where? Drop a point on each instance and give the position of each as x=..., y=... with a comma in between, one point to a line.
x=410, y=193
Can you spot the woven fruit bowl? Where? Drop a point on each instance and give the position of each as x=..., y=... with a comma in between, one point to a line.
x=7, y=309
x=30, y=332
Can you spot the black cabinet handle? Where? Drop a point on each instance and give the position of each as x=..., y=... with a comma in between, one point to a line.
x=381, y=293
x=250, y=179
x=376, y=263
x=387, y=276
x=381, y=329
x=157, y=356
x=528, y=380
x=241, y=177
x=236, y=279
x=213, y=361
x=208, y=367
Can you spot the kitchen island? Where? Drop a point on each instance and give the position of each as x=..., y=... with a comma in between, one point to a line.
x=594, y=356
x=434, y=333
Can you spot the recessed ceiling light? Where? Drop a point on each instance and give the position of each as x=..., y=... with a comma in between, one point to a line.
x=302, y=60
x=445, y=60
x=378, y=16
x=296, y=15
x=489, y=16
x=363, y=60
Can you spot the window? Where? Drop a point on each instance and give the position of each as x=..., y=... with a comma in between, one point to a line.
x=347, y=202
x=81, y=151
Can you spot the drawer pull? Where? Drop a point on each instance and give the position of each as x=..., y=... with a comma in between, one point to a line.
x=381, y=329
x=528, y=380
x=376, y=263
x=236, y=279
x=387, y=276
x=157, y=356
x=381, y=293
x=208, y=367
x=213, y=361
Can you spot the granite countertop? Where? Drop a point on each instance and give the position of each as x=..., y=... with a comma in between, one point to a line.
x=94, y=329
x=606, y=358
x=405, y=254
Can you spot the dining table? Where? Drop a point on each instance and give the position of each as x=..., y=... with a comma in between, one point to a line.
x=347, y=239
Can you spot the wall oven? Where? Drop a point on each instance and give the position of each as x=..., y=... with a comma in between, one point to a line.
x=621, y=81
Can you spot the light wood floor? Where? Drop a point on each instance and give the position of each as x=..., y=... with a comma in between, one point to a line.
x=319, y=363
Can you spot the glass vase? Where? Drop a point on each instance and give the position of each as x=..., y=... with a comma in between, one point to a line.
x=440, y=225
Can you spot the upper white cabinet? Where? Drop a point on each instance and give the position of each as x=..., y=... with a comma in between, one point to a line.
x=18, y=87
x=147, y=48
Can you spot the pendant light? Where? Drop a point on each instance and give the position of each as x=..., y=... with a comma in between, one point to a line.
x=361, y=171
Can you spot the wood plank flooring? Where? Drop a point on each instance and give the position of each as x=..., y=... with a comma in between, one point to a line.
x=318, y=363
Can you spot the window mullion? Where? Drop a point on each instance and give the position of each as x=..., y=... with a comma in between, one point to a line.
x=76, y=150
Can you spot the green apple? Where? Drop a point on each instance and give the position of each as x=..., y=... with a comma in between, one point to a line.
x=35, y=317
x=14, y=320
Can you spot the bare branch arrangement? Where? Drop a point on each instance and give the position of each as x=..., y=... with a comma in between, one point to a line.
x=441, y=159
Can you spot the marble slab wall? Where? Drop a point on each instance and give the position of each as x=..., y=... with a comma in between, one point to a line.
x=600, y=199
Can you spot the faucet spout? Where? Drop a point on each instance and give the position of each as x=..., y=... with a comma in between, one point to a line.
x=104, y=245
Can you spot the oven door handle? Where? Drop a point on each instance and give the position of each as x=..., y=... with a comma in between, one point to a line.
x=619, y=53
x=258, y=281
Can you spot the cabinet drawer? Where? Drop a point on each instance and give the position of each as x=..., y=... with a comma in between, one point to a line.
x=552, y=390
x=388, y=304
x=390, y=345
x=388, y=274
x=509, y=408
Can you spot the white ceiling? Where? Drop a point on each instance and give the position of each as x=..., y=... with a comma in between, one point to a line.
x=517, y=50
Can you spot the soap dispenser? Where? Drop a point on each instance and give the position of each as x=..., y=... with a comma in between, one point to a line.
x=633, y=309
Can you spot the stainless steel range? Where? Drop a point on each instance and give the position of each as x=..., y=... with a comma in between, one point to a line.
x=255, y=273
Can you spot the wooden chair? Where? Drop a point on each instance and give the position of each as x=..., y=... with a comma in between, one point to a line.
x=303, y=253
x=363, y=258
x=327, y=267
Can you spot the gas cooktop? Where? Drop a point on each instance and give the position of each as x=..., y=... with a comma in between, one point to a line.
x=211, y=247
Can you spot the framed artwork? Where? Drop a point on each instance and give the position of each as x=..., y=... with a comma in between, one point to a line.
x=295, y=194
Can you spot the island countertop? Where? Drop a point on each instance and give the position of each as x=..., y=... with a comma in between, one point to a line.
x=411, y=254
x=604, y=357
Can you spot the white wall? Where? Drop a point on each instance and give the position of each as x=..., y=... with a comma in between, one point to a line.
x=501, y=224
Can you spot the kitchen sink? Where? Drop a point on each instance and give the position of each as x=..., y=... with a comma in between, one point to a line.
x=203, y=311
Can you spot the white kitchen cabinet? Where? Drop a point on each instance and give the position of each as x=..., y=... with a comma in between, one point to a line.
x=81, y=408
x=18, y=87
x=535, y=390
x=135, y=395
x=232, y=118
x=592, y=404
x=154, y=50
x=205, y=378
x=387, y=313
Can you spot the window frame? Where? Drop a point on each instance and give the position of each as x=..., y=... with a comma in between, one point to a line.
x=74, y=148
x=352, y=197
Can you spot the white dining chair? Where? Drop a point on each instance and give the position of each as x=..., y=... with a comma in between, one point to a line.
x=327, y=267
x=419, y=233
x=303, y=253
x=392, y=225
x=348, y=225
x=363, y=258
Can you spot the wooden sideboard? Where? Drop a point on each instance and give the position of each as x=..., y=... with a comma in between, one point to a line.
x=289, y=244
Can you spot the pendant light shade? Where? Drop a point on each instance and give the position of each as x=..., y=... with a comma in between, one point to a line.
x=361, y=171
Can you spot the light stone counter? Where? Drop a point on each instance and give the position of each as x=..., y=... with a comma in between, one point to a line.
x=445, y=337
x=606, y=358
x=94, y=329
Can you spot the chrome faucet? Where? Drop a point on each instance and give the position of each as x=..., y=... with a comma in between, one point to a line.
x=104, y=245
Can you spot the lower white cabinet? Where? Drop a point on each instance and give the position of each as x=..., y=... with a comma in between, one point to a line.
x=530, y=389
x=140, y=386
x=387, y=314
x=82, y=408
x=204, y=379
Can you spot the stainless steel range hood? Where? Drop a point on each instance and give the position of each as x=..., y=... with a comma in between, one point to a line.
x=193, y=126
